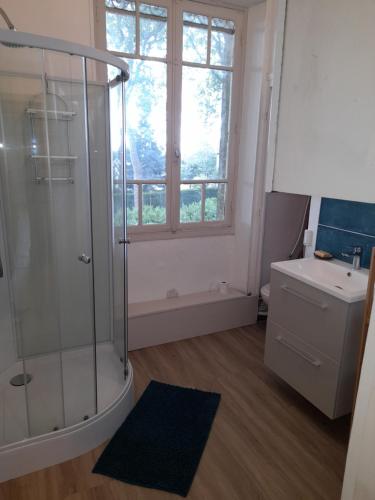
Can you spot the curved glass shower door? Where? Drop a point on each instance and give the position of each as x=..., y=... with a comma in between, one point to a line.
x=59, y=357
x=45, y=188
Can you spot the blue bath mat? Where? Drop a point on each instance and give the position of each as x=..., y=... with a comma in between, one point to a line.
x=160, y=443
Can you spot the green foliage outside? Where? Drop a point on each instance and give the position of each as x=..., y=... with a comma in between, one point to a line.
x=156, y=215
x=188, y=213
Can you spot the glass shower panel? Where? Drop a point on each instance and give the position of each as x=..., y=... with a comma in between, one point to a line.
x=116, y=87
x=28, y=220
x=68, y=183
x=107, y=363
x=63, y=341
x=8, y=411
x=48, y=224
x=13, y=415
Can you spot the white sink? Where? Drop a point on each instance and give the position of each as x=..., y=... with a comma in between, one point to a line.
x=334, y=277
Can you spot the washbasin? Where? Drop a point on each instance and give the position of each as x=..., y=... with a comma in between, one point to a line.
x=334, y=277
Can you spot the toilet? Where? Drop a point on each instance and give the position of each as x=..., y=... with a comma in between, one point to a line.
x=265, y=293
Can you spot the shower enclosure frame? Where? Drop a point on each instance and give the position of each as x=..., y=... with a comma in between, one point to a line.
x=43, y=450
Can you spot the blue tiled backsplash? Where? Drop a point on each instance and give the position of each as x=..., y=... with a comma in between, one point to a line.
x=344, y=224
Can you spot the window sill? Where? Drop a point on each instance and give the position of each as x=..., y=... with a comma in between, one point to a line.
x=154, y=235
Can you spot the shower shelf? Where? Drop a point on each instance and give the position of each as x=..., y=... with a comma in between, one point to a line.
x=39, y=179
x=54, y=157
x=40, y=113
x=63, y=117
x=70, y=180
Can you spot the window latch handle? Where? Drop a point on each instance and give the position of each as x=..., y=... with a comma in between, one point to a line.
x=177, y=153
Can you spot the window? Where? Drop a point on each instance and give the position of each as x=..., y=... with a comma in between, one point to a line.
x=181, y=112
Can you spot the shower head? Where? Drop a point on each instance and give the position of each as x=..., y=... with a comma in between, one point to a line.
x=10, y=25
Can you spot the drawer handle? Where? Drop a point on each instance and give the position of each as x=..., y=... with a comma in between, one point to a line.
x=303, y=297
x=302, y=354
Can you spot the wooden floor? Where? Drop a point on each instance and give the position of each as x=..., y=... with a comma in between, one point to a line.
x=267, y=442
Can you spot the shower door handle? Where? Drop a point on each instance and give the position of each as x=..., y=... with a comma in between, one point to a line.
x=84, y=258
x=1, y=269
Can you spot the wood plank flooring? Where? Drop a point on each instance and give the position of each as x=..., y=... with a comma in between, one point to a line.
x=267, y=442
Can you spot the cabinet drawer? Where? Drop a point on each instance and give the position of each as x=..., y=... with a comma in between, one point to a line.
x=314, y=316
x=307, y=370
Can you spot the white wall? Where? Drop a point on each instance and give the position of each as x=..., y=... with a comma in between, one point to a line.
x=189, y=265
x=359, y=479
x=325, y=140
x=313, y=223
x=70, y=20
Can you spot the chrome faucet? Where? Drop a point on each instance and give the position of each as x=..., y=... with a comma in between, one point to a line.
x=356, y=254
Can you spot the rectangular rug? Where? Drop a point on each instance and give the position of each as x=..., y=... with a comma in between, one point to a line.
x=160, y=443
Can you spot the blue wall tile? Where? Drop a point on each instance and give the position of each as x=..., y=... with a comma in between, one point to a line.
x=349, y=215
x=350, y=224
x=336, y=241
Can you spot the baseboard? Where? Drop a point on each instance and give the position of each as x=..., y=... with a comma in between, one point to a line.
x=168, y=320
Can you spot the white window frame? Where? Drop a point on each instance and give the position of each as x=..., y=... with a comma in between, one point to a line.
x=173, y=228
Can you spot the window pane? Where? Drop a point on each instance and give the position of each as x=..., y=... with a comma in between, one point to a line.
x=190, y=203
x=214, y=209
x=120, y=32
x=132, y=204
x=198, y=19
x=117, y=205
x=153, y=10
x=153, y=204
x=222, y=45
x=195, y=38
x=222, y=23
x=121, y=4
x=116, y=149
x=205, y=123
x=153, y=31
x=146, y=122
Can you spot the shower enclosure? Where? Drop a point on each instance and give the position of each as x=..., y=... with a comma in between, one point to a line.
x=63, y=321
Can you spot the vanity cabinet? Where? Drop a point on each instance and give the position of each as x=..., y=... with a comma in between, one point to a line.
x=312, y=342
